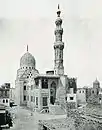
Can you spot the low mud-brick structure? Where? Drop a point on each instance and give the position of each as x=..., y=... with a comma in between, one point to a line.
x=87, y=118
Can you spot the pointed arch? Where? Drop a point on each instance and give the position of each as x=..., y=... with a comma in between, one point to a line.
x=53, y=84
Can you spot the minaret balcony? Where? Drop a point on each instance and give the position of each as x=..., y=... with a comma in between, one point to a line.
x=59, y=45
x=58, y=21
x=59, y=31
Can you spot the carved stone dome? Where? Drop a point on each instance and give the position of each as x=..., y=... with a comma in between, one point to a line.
x=27, y=60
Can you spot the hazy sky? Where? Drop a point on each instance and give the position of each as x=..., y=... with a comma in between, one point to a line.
x=32, y=22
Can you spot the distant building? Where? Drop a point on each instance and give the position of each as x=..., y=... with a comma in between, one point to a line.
x=95, y=93
x=96, y=88
x=85, y=94
x=5, y=94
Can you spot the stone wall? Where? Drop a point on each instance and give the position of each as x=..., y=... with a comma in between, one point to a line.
x=81, y=96
x=56, y=110
x=61, y=91
x=17, y=92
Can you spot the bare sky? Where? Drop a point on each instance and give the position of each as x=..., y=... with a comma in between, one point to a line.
x=32, y=22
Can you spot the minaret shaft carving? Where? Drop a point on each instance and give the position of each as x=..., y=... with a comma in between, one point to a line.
x=58, y=45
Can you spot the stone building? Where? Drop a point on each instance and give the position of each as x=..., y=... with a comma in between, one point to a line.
x=5, y=94
x=44, y=91
x=96, y=87
x=87, y=93
x=95, y=96
x=81, y=96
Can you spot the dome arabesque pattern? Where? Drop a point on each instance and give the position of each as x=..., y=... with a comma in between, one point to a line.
x=27, y=60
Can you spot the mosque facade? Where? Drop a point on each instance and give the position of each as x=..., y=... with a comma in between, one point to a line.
x=45, y=91
x=51, y=91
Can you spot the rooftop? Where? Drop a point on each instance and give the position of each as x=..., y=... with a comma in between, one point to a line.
x=47, y=76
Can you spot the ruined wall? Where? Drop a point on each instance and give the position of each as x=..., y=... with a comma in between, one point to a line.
x=61, y=91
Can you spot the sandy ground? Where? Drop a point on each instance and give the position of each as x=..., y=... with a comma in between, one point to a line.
x=24, y=120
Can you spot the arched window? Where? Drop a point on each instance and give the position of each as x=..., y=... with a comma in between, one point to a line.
x=60, y=55
x=28, y=98
x=24, y=87
x=27, y=77
x=53, y=89
x=53, y=84
x=36, y=101
x=31, y=98
x=24, y=82
x=24, y=98
x=37, y=81
x=93, y=91
x=5, y=93
x=6, y=100
x=66, y=98
x=45, y=83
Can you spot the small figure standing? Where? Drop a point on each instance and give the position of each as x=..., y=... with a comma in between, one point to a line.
x=31, y=114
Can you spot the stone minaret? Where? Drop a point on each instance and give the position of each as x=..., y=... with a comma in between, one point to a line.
x=58, y=46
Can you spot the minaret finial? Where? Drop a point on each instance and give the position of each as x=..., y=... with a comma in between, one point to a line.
x=58, y=12
x=58, y=6
x=27, y=47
